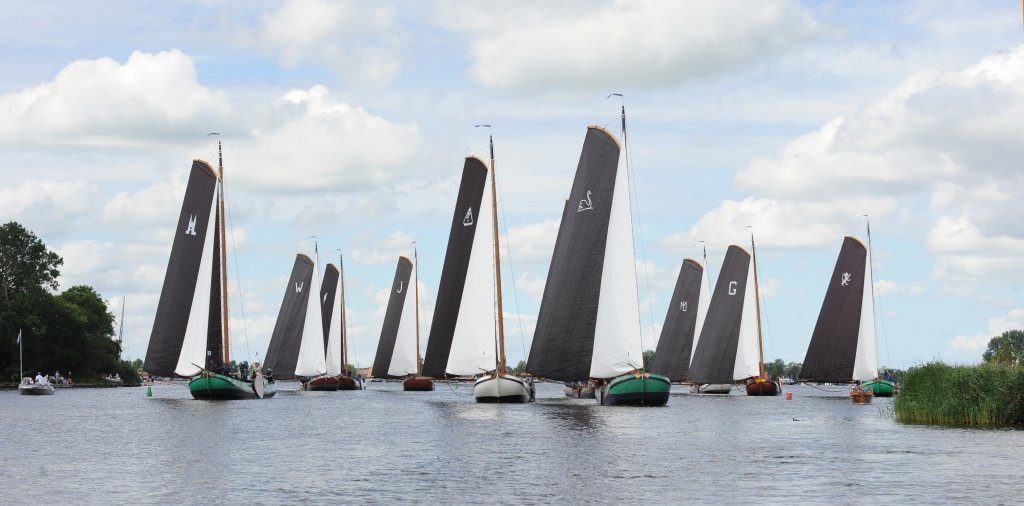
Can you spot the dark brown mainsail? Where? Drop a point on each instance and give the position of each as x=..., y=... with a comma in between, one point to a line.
x=714, y=360
x=215, y=329
x=563, y=342
x=833, y=350
x=283, y=350
x=181, y=277
x=456, y=263
x=400, y=288
x=328, y=292
x=675, y=346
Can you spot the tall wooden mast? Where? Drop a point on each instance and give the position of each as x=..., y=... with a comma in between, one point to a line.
x=344, y=328
x=757, y=303
x=497, y=263
x=223, y=258
x=416, y=271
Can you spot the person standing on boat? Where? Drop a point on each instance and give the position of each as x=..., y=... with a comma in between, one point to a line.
x=39, y=378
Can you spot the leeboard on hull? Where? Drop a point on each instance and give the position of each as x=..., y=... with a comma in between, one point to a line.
x=502, y=389
x=220, y=387
x=636, y=390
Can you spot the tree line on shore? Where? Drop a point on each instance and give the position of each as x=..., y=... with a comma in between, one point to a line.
x=71, y=331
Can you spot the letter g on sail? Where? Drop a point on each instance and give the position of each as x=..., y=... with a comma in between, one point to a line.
x=732, y=288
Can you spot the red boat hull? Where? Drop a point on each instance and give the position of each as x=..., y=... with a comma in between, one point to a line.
x=418, y=385
x=347, y=383
x=764, y=388
x=321, y=384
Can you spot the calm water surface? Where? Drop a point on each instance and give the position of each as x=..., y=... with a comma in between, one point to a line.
x=383, y=445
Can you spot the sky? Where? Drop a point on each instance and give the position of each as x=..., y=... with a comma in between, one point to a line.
x=350, y=121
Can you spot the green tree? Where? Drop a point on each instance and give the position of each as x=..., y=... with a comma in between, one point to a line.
x=792, y=370
x=520, y=368
x=776, y=368
x=1013, y=339
x=1004, y=355
x=648, y=359
x=25, y=263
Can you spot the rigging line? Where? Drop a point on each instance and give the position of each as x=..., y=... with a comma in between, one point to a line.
x=238, y=278
x=512, y=272
x=877, y=296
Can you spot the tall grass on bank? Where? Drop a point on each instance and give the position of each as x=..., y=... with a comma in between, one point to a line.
x=985, y=395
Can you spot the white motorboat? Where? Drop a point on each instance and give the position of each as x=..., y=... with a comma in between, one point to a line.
x=27, y=387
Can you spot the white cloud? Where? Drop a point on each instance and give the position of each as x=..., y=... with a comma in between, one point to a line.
x=353, y=38
x=48, y=208
x=315, y=143
x=532, y=244
x=890, y=287
x=149, y=98
x=780, y=223
x=539, y=45
x=971, y=347
x=384, y=251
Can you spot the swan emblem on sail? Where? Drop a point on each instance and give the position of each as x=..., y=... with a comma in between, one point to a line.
x=298, y=286
x=468, y=220
x=585, y=204
x=846, y=279
x=191, y=228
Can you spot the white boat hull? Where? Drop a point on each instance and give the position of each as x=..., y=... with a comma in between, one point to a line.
x=502, y=389
x=719, y=388
x=32, y=389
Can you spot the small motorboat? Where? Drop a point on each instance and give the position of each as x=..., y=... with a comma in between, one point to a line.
x=861, y=395
x=28, y=387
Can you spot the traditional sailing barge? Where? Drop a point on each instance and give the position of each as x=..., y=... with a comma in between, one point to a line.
x=190, y=336
x=588, y=327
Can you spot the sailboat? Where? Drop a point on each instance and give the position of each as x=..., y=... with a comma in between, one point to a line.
x=296, y=349
x=398, y=352
x=190, y=335
x=467, y=335
x=27, y=385
x=680, y=333
x=588, y=327
x=331, y=379
x=730, y=347
x=337, y=340
x=842, y=348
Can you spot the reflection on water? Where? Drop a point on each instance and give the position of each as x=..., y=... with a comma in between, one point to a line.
x=386, y=445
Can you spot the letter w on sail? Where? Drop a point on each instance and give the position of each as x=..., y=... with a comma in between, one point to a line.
x=191, y=228
x=586, y=204
x=298, y=287
x=468, y=220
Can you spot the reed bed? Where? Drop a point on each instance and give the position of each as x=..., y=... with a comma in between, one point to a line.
x=979, y=395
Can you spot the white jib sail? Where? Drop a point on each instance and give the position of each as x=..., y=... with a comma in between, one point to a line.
x=403, y=359
x=617, y=346
x=193, y=349
x=747, y=364
x=473, y=340
x=702, y=308
x=865, y=365
x=334, y=364
x=311, y=361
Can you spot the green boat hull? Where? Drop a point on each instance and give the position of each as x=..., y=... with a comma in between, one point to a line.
x=636, y=390
x=881, y=388
x=220, y=387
